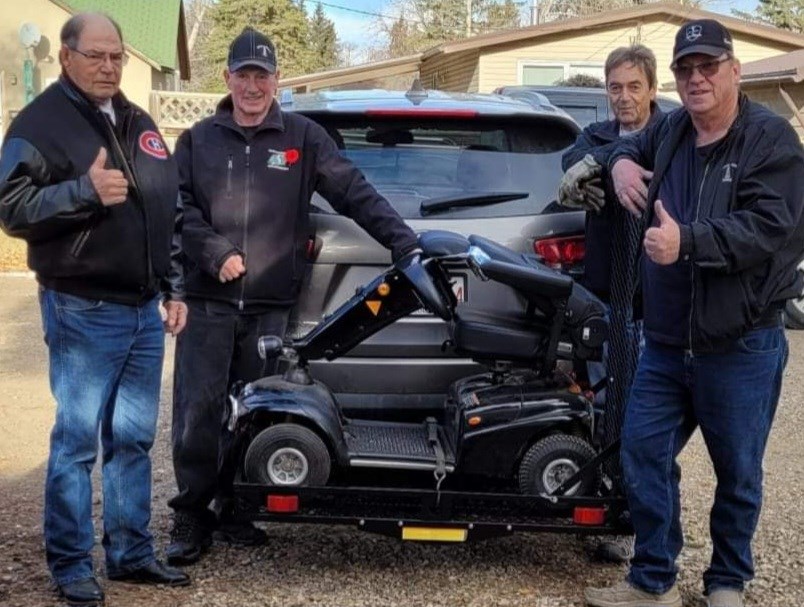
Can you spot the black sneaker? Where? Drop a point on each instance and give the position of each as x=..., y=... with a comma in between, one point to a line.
x=239, y=534
x=189, y=539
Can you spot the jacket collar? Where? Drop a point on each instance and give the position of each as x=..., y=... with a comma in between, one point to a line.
x=609, y=130
x=224, y=116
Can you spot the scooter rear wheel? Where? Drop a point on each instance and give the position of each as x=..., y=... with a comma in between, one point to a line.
x=287, y=455
x=552, y=460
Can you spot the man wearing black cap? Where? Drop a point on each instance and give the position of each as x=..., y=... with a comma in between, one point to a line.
x=246, y=178
x=723, y=240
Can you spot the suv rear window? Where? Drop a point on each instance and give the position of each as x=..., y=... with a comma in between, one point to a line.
x=410, y=162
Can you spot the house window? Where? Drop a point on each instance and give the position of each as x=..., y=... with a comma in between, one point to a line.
x=542, y=73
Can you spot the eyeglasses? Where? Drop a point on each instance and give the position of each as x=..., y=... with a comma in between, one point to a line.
x=706, y=68
x=98, y=58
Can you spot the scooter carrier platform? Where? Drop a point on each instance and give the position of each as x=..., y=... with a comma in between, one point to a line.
x=380, y=444
x=430, y=515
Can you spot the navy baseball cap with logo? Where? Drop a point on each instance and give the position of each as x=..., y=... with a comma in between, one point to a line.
x=252, y=49
x=704, y=36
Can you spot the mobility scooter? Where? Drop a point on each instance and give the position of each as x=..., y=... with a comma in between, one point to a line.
x=512, y=448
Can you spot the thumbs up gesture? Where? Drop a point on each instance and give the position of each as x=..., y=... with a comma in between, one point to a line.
x=663, y=242
x=110, y=184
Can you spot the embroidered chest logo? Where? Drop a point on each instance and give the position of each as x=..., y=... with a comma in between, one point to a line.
x=151, y=143
x=727, y=168
x=281, y=160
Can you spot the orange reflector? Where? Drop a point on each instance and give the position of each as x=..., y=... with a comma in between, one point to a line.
x=383, y=289
x=282, y=503
x=589, y=516
x=474, y=420
x=374, y=306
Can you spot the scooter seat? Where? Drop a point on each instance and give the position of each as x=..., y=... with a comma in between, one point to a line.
x=485, y=335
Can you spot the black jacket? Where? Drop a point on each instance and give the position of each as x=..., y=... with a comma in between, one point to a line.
x=600, y=140
x=748, y=238
x=249, y=193
x=125, y=253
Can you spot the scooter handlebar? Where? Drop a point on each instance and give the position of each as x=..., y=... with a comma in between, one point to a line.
x=269, y=346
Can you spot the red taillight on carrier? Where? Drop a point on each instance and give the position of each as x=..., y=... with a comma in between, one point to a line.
x=588, y=516
x=282, y=503
x=566, y=250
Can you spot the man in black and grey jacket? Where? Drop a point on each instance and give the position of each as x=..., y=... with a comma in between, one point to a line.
x=247, y=176
x=724, y=235
x=612, y=239
x=86, y=180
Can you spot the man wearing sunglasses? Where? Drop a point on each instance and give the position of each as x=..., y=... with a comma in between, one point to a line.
x=86, y=180
x=723, y=237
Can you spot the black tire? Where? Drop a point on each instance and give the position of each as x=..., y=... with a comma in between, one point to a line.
x=287, y=455
x=554, y=459
x=794, y=313
x=794, y=308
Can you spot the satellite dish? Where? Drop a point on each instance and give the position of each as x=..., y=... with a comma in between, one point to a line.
x=30, y=35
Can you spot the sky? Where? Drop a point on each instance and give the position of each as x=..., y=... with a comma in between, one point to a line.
x=357, y=28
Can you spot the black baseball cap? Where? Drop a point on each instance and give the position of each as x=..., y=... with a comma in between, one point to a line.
x=252, y=49
x=704, y=36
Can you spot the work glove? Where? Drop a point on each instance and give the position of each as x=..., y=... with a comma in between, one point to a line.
x=582, y=187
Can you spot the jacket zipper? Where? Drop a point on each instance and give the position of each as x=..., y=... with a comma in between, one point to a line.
x=229, y=177
x=692, y=265
x=241, y=303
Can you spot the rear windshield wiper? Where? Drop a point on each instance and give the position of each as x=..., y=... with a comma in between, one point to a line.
x=443, y=203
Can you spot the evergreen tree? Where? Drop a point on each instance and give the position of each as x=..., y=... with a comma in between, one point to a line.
x=323, y=41
x=284, y=22
x=784, y=14
x=426, y=23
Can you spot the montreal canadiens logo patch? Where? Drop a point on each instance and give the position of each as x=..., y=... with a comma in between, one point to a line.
x=151, y=143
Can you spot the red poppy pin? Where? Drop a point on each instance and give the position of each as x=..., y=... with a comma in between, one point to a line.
x=291, y=156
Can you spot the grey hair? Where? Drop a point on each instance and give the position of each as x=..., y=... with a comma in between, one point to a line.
x=71, y=30
x=638, y=54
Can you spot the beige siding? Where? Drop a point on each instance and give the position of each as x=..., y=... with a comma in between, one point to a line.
x=770, y=97
x=137, y=75
x=454, y=72
x=49, y=18
x=500, y=66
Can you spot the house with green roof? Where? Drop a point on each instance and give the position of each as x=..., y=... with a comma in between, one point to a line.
x=154, y=33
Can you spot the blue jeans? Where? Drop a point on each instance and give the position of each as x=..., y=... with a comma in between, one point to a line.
x=105, y=374
x=732, y=396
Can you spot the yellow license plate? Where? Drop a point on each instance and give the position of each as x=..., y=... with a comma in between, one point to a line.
x=434, y=534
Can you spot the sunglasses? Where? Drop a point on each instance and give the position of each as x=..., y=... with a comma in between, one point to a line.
x=706, y=68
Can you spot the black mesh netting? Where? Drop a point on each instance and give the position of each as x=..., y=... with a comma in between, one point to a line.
x=623, y=334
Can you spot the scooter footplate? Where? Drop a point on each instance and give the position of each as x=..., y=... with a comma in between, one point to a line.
x=395, y=440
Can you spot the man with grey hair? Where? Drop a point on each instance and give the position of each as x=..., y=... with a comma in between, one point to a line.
x=87, y=181
x=612, y=236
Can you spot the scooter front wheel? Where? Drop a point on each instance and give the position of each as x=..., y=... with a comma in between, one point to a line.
x=287, y=455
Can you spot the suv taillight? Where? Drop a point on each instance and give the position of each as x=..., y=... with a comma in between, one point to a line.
x=564, y=251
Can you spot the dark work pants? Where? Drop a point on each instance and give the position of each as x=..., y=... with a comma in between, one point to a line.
x=213, y=352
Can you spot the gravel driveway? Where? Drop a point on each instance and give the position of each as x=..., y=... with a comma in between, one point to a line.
x=339, y=566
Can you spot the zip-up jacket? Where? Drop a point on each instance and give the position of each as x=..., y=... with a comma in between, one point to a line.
x=600, y=139
x=249, y=194
x=124, y=253
x=747, y=237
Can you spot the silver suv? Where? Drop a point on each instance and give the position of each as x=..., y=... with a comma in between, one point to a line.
x=474, y=164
